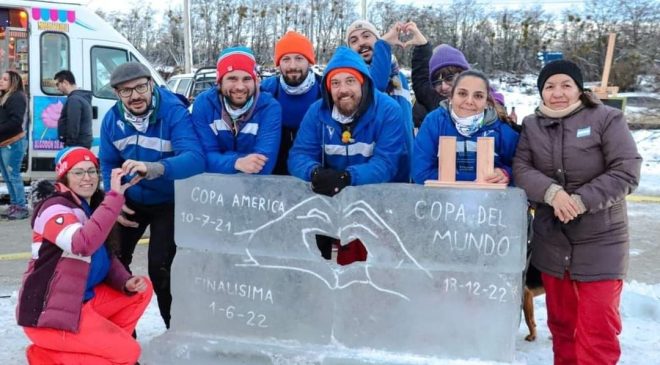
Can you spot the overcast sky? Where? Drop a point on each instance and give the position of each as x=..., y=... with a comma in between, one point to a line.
x=548, y=5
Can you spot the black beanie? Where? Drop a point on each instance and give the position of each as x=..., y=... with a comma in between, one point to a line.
x=560, y=67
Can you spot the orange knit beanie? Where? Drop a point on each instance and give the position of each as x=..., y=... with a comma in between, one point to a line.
x=352, y=71
x=294, y=42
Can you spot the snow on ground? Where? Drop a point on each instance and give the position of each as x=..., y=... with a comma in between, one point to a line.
x=640, y=339
x=648, y=145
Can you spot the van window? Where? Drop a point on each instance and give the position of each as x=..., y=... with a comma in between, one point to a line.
x=104, y=61
x=54, y=57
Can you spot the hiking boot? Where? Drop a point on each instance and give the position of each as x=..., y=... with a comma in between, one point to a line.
x=18, y=213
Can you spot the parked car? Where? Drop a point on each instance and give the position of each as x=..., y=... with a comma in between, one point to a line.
x=192, y=84
x=180, y=83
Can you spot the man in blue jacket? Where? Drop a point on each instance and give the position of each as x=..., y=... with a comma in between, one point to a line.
x=296, y=88
x=148, y=133
x=363, y=38
x=353, y=136
x=239, y=127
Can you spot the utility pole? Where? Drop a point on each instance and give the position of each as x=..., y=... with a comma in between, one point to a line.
x=187, y=38
x=364, y=9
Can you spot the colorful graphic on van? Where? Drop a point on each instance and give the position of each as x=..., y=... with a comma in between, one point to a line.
x=56, y=19
x=47, y=110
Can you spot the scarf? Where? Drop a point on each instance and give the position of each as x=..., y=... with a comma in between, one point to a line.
x=559, y=113
x=341, y=118
x=304, y=87
x=235, y=114
x=141, y=122
x=467, y=126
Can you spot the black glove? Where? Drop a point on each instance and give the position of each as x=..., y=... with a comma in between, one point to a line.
x=329, y=182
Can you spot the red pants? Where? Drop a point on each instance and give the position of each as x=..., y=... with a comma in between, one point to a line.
x=105, y=332
x=584, y=320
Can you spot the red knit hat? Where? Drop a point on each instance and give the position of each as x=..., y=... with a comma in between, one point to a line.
x=70, y=156
x=294, y=42
x=236, y=58
x=339, y=70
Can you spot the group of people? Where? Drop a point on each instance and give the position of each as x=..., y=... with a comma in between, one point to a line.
x=574, y=157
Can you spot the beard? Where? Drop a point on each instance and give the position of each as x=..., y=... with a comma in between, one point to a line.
x=348, y=106
x=238, y=100
x=294, y=77
x=138, y=106
x=366, y=59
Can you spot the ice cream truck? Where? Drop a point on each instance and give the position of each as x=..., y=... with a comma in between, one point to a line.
x=40, y=38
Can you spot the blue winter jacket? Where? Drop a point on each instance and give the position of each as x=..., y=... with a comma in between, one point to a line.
x=378, y=139
x=439, y=123
x=260, y=133
x=169, y=139
x=294, y=107
x=381, y=72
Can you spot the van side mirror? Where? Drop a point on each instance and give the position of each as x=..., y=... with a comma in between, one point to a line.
x=95, y=112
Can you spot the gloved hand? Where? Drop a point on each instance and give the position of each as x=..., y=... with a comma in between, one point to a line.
x=329, y=182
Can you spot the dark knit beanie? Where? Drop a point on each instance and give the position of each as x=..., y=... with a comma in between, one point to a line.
x=560, y=67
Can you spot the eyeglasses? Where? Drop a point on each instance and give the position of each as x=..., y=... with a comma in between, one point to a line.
x=128, y=91
x=80, y=173
x=448, y=79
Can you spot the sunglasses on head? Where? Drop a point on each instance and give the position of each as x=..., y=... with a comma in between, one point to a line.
x=448, y=79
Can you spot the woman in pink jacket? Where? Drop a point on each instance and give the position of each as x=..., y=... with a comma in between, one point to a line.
x=78, y=304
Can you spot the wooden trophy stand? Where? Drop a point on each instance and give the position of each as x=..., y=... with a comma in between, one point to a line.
x=447, y=165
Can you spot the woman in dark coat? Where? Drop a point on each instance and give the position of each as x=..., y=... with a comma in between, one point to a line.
x=13, y=143
x=577, y=161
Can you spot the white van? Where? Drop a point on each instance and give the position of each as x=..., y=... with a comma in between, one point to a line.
x=40, y=38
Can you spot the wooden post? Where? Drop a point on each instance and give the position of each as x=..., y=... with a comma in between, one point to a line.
x=608, y=60
x=485, y=157
x=603, y=91
x=447, y=159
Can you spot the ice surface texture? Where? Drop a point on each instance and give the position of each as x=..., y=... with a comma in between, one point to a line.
x=442, y=277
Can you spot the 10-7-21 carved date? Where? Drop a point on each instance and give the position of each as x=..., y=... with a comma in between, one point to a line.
x=205, y=220
x=490, y=291
x=251, y=318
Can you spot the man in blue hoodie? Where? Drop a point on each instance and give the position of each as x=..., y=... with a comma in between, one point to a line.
x=148, y=132
x=353, y=136
x=363, y=38
x=296, y=88
x=239, y=127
